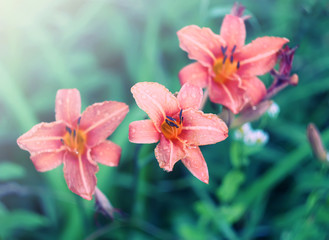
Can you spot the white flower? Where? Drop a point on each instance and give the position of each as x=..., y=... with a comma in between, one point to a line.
x=250, y=136
x=274, y=110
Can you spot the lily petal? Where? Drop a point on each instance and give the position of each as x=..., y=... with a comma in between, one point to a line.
x=79, y=173
x=230, y=94
x=196, y=164
x=143, y=131
x=195, y=74
x=201, y=44
x=43, y=137
x=259, y=56
x=202, y=129
x=107, y=153
x=233, y=31
x=168, y=152
x=255, y=89
x=48, y=160
x=155, y=100
x=190, y=96
x=68, y=106
x=101, y=119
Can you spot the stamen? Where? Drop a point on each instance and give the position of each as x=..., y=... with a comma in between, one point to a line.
x=171, y=124
x=180, y=115
x=224, y=59
x=62, y=141
x=74, y=132
x=231, y=58
x=238, y=65
x=79, y=119
x=233, y=49
x=223, y=49
x=69, y=130
x=172, y=119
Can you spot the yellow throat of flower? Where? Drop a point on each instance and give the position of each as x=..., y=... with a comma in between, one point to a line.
x=171, y=128
x=75, y=140
x=225, y=66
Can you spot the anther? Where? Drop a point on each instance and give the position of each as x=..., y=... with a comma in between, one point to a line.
x=171, y=118
x=231, y=58
x=238, y=65
x=79, y=119
x=171, y=123
x=233, y=49
x=62, y=141
x=224, y=59
x=74, y=133
x=223, y=49
x=180, y=115
x=69, y=130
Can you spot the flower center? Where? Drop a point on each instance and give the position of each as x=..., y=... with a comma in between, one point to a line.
x=225, y=66
x=171, y=128
x=75, y=140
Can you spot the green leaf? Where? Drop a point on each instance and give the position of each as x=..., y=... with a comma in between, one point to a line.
x=9, y=171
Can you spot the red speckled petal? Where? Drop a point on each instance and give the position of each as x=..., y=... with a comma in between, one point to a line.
x=168, y=152
x=190, y=96
x=46, y=161
x=42, y=137
x=230, y=94
x=259, y=56
x=156, y=101
x=195, y=74
x=233, y=31
x=101, y=119
x=107, y=153
x=255, y=89
x=79, y=173
x=202, y=129
x=68, y=106
x=201, y=44
x=196, y=164
x=143, y=132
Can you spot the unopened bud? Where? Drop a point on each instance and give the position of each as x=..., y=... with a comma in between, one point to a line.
x=238, y=10
x=294, y=79
x=314, y=138
x=252, y=113
x=227, y=116
x=103, y=204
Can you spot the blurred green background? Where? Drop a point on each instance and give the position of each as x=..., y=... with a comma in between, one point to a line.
x=102, y=48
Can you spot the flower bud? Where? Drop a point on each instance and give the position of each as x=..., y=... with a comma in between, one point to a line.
x=314, y=138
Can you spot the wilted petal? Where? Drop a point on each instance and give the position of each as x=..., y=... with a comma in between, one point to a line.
x=168, y=152
x=233, y=31
x=48, y=160
x=201, y=44
x=190, y=96
x=68, y=106
x=195, y=162
x=79, y=173
x=259, y=56
x=101, y=119
x=230, y=94
x=195, y=74
x=202, y=129
x=42, y=137
x=107, y=153
x=155, y=100
x=255, y=89
x=143, y=131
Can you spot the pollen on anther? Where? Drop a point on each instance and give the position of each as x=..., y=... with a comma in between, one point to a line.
x=238, y=65
x=224, y=59
x=233, y=49
x=223, y=49
x=231, y=59
x=69, y=130
x=79, y=119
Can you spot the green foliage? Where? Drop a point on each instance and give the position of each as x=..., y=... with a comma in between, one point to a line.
x=276, y=191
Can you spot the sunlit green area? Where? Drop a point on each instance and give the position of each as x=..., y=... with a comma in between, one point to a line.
x=104, y=47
